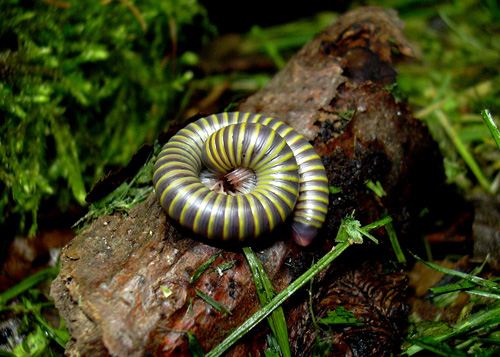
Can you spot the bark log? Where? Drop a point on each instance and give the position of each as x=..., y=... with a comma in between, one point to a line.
x=109, y=289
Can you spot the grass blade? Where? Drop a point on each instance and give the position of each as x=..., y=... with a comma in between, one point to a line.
x=28, y=283
x=278, y=300
x=194, y=345
x=271, y=50
x=377, y=224
x=492, y=126
x=265, y=291
x=488, y=284
x=203, y=267
x=59, y=335
x=215, y=304
x=389, y=228
x=462, y=150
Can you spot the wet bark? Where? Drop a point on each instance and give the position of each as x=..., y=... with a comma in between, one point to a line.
x=109, y=289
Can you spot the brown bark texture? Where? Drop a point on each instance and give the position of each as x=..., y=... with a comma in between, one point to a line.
x=110, y=288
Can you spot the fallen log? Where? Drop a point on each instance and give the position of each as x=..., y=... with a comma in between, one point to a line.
x=110, y=290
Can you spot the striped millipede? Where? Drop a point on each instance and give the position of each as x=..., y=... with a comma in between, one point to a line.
x=235, y=176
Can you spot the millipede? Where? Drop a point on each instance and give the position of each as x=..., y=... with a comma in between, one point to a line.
x=237, y=176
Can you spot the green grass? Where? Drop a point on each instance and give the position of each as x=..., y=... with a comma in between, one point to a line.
x=454, y=77
x=39, y=336
x=476, y=334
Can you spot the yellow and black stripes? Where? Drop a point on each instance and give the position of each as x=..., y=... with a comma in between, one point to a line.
x=288, y=177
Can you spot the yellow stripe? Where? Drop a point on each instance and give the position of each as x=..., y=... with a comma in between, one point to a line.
x=313, y=223
x=204, y=125
x=172, y=184
x=230, y=148
x=266, y=166
x=177, y=196
x=213, y=154
x=273, y=183
x=255, y=214
x=269, y=172
x=318, y=198
x=241, y=217
x=201, y=209
x=225, y=119
x=215, y=120
x=246, y=159
x=192, y=136
x=175, y=152
x=293, y=141
x=286, y=131
x=255, y=118
x=283, y=197
x=261, y=164
x=313, y=188
x=258, y=158
x=264, y=120
x=182, y=219
x=223, y=150
x=239, y=155
x=227, y=221
x=315, y=168
x=185, y=165
x=305, y=205
x=211, y=223
x=267, y=209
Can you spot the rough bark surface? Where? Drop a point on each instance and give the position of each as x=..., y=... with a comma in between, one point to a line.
x=109, y=289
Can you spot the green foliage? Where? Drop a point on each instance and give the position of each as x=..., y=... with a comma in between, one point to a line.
x=125, y=196
x=351, y=231
x=82, y=86
x=27, y=321
x=476, y=330
x=455, y=76
x=340, y=316
x=28, y=283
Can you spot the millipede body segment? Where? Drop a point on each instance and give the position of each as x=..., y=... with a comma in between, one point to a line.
x=236, y=176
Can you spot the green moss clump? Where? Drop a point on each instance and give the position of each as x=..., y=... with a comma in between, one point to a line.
x=82, y=86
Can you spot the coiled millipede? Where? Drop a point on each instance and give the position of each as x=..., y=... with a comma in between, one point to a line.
x=235, y=176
